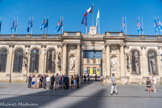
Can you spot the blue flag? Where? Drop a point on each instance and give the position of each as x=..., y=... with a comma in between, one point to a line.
x=155, y=25
x=30, y=24
x=84, y=20
x=13, y=26
x=59, y=25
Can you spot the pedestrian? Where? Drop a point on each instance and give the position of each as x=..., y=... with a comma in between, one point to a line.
x=148, y=84
x=113, y=84
x=38, y=81
x=44, y=81
x=62, y=81
x=41, y=80
x=48, y=82
x=88, y=77
x=101, y=80
x=84, y=78
x=29, y=81
x=56, y=81
x=74, y=82
x=33, y=81
x=72, y=79
x=77, y=80
x=52, y=82
x=95, y=77
x=154, y=83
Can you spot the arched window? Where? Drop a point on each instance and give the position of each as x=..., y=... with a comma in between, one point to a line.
x=152, y=62
x=50, y=61
x=3, y=59
x=18, y=60
x=34, y=60
x=135, y=55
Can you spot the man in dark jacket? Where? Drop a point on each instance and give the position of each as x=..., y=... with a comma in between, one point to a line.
x=77, y=80
x=29, y=81
x=66, y=80
x=44, y=81
x=52, y=82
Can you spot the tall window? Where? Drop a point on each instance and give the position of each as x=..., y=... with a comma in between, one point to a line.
x=3, y=59
x=94, y=70
x=50, y=61
x=34, y=60
x=135, y=62
x=152, y=62
x=18, y=60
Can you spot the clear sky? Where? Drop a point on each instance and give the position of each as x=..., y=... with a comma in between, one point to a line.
x=111, y=12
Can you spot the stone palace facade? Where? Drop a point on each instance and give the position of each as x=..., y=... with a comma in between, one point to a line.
x=132, y=58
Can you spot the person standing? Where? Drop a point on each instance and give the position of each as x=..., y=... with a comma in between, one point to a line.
x=72, y=79
x=84, y=78
x=96, y=77
x=44, y=81
x=57, y=81
x=29, y=81
x=52, y=82
x=101, y=80
x=88, y=77
x=154, y=83
x=48, y=82
x=113, y=84
x=33, y=81
x=77, y=80
x=74, y=82
x=148, y=84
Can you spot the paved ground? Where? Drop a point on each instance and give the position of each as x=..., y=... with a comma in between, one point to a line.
x=92, y=95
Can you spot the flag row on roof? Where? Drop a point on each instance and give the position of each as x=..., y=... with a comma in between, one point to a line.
x=44, y=25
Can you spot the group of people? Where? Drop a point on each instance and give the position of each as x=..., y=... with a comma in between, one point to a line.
x=53, y=82
x=64, y=81
x=85, y=77
x=148, y=84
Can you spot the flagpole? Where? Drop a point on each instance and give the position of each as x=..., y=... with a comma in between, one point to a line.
x=86, y=29
x=92, y=13
x=62, y=25
x=125, y=26
x=99, y=25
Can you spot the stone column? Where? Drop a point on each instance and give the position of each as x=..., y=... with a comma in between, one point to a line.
x=159, y=64
x=64, y=66
x=41, y=59
x=108, y=60
x=141, y=62
x=145, y=63
x=9, y=63
x=122, y=61
x=78, y=60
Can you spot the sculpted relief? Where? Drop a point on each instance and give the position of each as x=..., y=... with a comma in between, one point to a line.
x=25, y=61
x=114, y=64
x=72, y=62
x=135, y=62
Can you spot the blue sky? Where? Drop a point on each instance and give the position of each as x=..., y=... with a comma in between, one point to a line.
x=111, y=12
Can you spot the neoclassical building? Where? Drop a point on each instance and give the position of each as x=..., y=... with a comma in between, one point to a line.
x=132, y=58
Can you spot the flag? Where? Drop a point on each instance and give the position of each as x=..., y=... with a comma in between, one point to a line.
x=46, y=23
x=30, y=24
x=155, y=25
x=90, y=10
x=15, y=28
x=159, y=25
x=84, y=20
x=97, y=19
x=59, y=25
x=43, y=24
x=0, y=24
x=123, y=25
x=138, y=26
x=13, y=25
x=141, y=26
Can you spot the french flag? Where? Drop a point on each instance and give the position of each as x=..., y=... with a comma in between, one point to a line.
x=90, y=10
